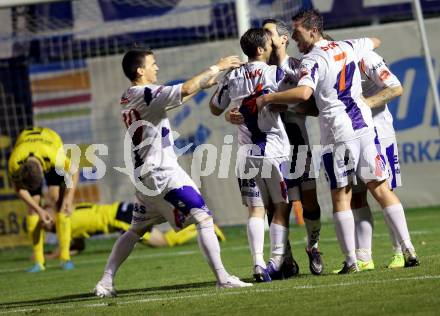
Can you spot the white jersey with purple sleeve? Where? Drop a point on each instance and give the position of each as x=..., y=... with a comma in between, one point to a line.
x=147, y=104
x=265, y=130
x=331, y=70
x=376, y=76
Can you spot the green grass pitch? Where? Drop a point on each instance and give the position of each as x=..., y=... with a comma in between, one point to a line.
x=177, y=281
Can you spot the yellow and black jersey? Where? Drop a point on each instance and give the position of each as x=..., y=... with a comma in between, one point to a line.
x=91, y=219
x=41, y=143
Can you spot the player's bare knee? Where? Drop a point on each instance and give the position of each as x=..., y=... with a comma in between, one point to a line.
x=140, y=231
x=256, y=211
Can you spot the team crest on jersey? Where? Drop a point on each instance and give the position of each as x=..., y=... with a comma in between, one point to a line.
x=126, y=97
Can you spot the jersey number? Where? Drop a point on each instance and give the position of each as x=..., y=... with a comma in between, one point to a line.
x=129, y=117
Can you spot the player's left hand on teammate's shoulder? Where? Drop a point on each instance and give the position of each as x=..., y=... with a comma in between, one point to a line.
x=229, y=62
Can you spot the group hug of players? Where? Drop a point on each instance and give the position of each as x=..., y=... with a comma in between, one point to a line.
x=345, y=83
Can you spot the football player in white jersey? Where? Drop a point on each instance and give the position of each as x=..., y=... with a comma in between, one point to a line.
x=296, y=130
x=263, y=147
x=330, y=72
x=295, y=125
x=163, y=189
x=377, y=78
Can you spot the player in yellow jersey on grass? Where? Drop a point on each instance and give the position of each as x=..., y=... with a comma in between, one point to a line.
x=90, y=219
x=38, y=158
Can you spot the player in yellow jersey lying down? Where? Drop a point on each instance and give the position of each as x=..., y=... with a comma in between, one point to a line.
x=90, y=219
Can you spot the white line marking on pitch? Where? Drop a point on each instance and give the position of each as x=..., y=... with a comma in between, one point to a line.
x=221, y=293
x=79, y=262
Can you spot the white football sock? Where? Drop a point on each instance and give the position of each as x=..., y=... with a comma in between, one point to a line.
x=395, y=216
x=255, y=231
x=397, y=248
x=121, y=250
x=313, y=227
x=344, y=225
x=278, y=238
x=210, y=247
x=364, y=224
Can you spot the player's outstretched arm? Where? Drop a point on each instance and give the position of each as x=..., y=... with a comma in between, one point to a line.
x=296, y=95
x=384, y=96
x=206, y=78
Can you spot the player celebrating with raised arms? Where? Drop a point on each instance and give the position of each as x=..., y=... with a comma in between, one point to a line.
x=330, y=72
x=164, y=191
x=263, y=145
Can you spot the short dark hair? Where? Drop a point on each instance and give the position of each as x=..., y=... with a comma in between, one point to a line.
x=282, y=27
x=133, y=59
x=310, y=19
x=252, y=39
x=31, y=175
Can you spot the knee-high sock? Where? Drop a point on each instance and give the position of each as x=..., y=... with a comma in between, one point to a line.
x=255, y=231
x=344, y=225
x=210, y=248
x=64, y=234
x=395, y=217
x=364, y=224
x=312, y=219
x=121, y=250
x=397, y=248
x=36, y=235
x=278, y=238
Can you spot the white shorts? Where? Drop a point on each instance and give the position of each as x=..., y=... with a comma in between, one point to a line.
x=390, y=152
x=359, y=157
x=180, y=203
x=265, y=186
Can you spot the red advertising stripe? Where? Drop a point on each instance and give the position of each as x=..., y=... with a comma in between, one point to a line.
x=63, y=101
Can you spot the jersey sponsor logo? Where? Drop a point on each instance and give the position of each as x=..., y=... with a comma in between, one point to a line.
x=250, y=194
x=252, y=74
x=377, y=66
x=330, y=45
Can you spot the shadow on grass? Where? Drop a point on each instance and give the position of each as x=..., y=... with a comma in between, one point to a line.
x=91, y=297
